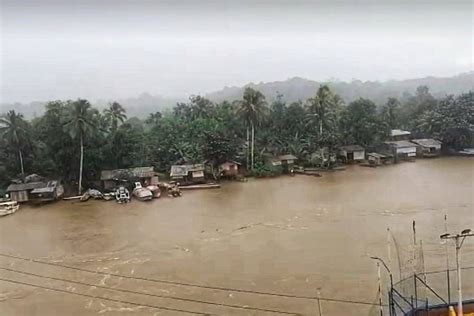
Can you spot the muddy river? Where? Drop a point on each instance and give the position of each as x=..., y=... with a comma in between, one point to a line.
x=264, y=247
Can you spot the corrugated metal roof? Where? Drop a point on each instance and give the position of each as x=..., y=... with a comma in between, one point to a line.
x=426, y=142
x=399, y=132
x=401, y=143
x=196, y=167
x=139, y=172
x=25, y=186
x=230, y=162
x=179, y=171
x=377, y=155
x=352, y=148
x=287, y=157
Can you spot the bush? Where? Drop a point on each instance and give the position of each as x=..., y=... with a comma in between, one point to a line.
x=262, y=170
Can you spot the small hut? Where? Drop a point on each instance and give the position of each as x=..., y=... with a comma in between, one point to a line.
x=229, y=168
x=377, y=159
x=187, y=174
x=287, y=161
x=196, y=172
x=402, y=149
x=428, y=147
x=351, y=153
x=145, y=175
x=179, y=173
x=21, y=192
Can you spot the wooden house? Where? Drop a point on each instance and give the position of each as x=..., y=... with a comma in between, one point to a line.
x=21, y=192
x=351, y=153
x=377, y=159
x=402, y=149
x=229, y=168
x=50, y=191
x=287, y=161
x=192, y=173
x=272, y=162
x=145, y=175
x=428, y=147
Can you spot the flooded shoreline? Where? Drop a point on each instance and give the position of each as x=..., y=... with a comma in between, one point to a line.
x=295, y=235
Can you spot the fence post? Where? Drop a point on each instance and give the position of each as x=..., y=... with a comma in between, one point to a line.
x=449, y=286
x=320, y=308
x=416, y=292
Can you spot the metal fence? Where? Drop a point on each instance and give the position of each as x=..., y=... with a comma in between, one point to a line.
x=422, y=292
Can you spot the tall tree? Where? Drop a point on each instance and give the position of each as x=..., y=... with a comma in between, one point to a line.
x=115, y=114
x=360, y=122
x=323, y=111
x=13, y=128
x=252, y=109
x=79, y=122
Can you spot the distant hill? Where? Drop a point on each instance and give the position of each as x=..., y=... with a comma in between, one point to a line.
x=139, y=106
x=293, y=89
x=296, y=88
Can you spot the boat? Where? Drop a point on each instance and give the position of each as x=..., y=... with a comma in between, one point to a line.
x=172, y=188
x=141, y=193
x=8, y=207
x=109, y=196
x=122, y=195
x=155, y=191
x=92, y=193
x=200, y=186
x=308, y=172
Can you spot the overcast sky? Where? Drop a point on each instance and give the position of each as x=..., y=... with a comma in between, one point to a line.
x=115, y=48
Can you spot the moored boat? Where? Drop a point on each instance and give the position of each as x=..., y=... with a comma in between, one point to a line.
x=122, y=195
x=8, y=207
x=155, y=191
x=142, y=193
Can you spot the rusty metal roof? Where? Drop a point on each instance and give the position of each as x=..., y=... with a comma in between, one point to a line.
x=25, y=186
x=138, y=172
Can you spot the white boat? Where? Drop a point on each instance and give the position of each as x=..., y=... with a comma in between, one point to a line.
x=155, y=191
x=142, y=193
x=8, y=207
x=122, y=195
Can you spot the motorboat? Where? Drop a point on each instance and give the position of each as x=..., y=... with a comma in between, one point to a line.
x=155, y=191
x=142, y=193
x=92, y=193
x=122, y=195
x=8, y=207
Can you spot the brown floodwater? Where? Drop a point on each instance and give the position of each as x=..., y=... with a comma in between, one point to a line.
x=301, y=236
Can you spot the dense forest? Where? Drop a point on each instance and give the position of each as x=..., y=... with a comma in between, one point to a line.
x=72, y=139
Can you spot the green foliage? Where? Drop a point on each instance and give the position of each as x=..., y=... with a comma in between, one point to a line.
x=201, y=130
x=263, y=170
x=360, y=123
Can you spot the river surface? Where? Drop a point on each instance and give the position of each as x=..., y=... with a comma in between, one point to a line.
x=301, y=236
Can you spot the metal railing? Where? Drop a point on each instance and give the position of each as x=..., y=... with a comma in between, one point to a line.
x=420, y=293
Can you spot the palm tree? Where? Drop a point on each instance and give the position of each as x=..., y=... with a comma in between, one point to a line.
x=80, y=121
x=13, y=130
x=252, y=109
x=115, y=114
x=323, y=110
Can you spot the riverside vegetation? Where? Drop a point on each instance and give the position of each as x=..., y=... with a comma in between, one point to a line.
x=74, y=141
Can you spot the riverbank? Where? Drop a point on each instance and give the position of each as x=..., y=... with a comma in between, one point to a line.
x=290, y=235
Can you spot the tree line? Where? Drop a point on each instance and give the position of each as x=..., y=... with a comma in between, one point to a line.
x=73, y=140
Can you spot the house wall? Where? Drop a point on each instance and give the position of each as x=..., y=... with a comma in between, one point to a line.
x=109, y=184
x=19, y=196
x=407, y=151
x=229, y=169
x=359, y=155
